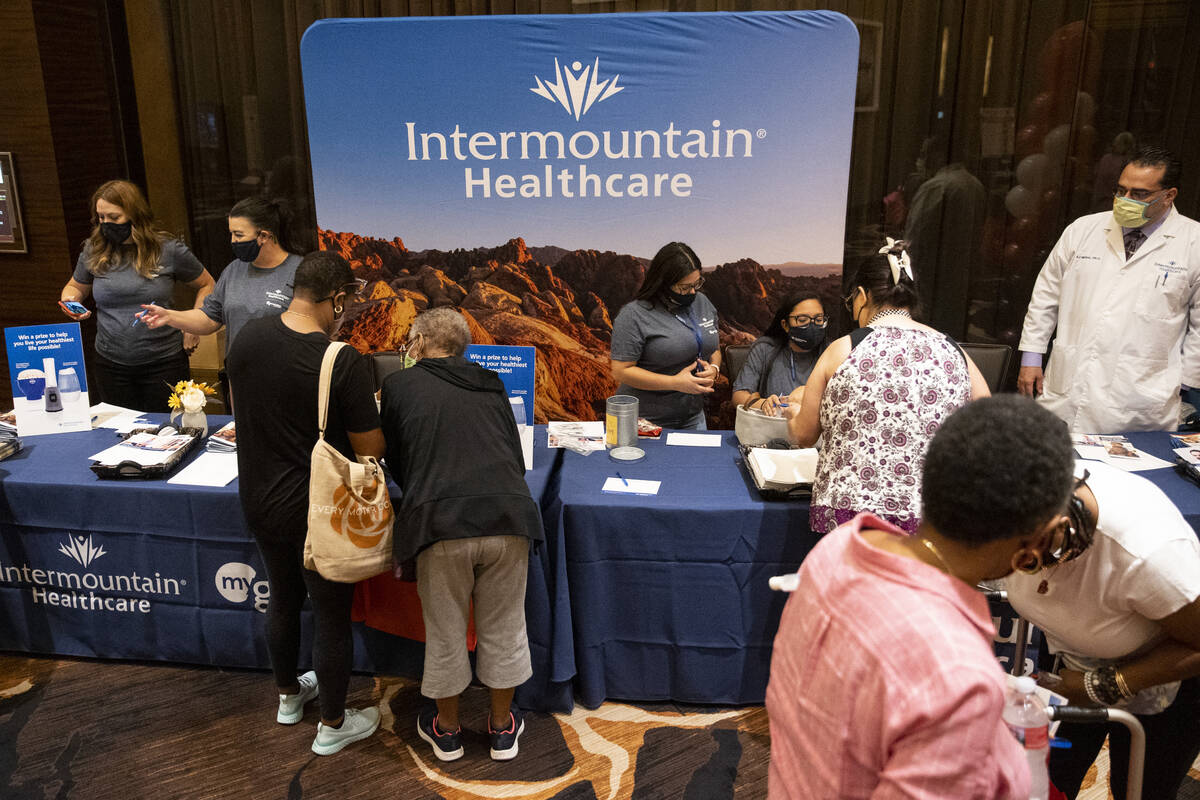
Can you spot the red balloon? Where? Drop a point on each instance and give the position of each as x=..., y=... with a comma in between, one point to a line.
x=1024, y=232
x=1015, y=257
x=1041, y=110
x=1029, y=140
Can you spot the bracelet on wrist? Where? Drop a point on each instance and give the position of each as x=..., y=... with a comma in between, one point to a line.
x=1089, y=686
x=1126, y=693
x=1103, y=687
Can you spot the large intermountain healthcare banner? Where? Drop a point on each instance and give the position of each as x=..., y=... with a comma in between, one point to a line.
x=525, y=169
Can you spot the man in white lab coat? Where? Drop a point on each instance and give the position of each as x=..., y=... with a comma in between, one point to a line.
x=1122, y=290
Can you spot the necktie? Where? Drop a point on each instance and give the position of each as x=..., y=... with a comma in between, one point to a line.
x=1133, y=240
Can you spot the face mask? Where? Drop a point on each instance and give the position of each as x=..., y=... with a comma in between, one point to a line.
x=808, y=337
x=246, y=251
x=409, y=361
x=682, y=300
x=1130, y=213
x=116, y=232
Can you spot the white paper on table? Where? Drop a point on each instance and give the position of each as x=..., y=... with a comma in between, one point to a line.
x=582, y=437
x=106, y=415
x=526, y=432
x=145, y=449
x=210, y=469
x=1142, y=462
x=695, y=439
x=121, y=452
x=625, y=486
x=587, y=428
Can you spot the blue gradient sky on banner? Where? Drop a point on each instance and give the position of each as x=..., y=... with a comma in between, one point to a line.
x=781, y=85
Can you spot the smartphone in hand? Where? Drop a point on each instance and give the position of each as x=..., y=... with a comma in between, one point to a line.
x=72, y=307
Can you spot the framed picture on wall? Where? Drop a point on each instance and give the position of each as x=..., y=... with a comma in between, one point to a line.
x=870, y=62
x=12, y=230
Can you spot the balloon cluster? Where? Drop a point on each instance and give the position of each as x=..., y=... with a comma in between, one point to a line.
x=1045, y=145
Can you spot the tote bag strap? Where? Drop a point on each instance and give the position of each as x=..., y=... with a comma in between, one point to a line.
x=323, y=385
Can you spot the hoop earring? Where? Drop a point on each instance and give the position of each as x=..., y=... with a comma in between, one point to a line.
x=1030, y=565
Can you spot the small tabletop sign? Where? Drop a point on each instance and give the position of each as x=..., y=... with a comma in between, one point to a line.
x=49, y=382
x=514, y=365
x=12, y=230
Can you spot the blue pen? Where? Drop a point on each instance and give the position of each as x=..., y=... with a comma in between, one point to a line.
x=622, y=477
x=137, y=318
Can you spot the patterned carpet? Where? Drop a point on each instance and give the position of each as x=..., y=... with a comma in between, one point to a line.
x=97, y=730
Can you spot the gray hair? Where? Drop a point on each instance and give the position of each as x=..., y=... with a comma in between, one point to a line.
x=444, y=329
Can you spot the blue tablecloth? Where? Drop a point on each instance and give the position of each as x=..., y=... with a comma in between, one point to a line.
x=643, y=598
x=149, y=570
x=669, y=593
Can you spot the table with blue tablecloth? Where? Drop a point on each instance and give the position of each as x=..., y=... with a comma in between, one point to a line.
x=669, y=593
x=631, y=597
x=148, y=570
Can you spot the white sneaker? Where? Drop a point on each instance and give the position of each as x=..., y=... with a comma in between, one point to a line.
x=357, y=724
x=291, y=706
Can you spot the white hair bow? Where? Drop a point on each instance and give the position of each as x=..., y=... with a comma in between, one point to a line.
x=898, y=259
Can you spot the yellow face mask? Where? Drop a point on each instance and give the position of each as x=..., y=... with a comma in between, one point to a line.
x=1130, y=213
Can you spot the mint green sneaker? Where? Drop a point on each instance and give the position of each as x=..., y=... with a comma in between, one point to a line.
x=291, y=706
x=357, y=724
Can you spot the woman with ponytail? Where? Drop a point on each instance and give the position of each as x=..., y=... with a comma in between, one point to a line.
x=257, y=283
x=878, y=396
x=127, y=262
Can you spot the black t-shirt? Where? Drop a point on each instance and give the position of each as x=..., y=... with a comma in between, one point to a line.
x=273, y=372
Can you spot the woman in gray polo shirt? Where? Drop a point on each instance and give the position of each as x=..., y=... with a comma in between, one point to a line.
x=127, y=262
x=257, y=283
x=665, y=350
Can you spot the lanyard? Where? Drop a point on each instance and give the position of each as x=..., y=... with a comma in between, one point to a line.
x=792, y=366
x=695, y=329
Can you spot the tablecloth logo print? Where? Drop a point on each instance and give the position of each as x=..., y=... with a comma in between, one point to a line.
x=236, y=583
x=82, y=550
x=89, y=591
x=577, y=89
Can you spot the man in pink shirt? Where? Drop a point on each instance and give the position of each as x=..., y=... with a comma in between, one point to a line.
x=883, y=681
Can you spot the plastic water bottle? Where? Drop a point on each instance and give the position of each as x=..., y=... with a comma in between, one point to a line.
x=1026, y=717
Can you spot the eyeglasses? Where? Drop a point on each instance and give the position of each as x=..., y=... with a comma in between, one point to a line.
x=1079, y=529
x=685, y=288
x=848, y=302
x=1141, y=195
x=801, y=320
x=355, y=287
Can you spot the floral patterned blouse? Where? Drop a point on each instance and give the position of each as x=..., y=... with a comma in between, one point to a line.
x=879, y=411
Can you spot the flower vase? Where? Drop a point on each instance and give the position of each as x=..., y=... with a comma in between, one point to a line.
x=195, y=420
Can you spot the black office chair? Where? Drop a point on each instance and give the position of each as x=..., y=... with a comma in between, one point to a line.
x=992, y=360
x=385, y=363
x=734, y=359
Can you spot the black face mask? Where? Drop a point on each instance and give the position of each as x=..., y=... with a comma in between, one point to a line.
x=116, y=232
x=682, y=300
x=246, y=251
x=807, y=337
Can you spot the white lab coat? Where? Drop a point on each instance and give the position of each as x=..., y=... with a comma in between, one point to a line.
x=1128, y=332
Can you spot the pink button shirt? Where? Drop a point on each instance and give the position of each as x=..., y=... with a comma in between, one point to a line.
x=883, y=682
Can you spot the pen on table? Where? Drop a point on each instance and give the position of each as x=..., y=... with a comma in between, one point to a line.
x=622, y=477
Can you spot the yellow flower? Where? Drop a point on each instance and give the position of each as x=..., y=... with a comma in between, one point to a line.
x=181, y=387
x=173, y=401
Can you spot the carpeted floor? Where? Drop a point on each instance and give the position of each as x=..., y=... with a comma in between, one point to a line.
x=97, y=730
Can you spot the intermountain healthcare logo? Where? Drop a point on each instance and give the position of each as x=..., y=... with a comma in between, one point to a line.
x=577, y=92
x=577, y=89
x=77, y=590
x=235, y=582
x=82, y=550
